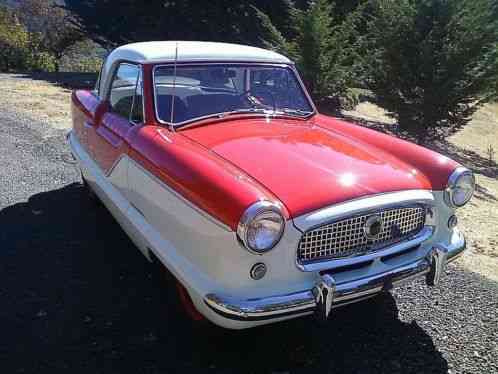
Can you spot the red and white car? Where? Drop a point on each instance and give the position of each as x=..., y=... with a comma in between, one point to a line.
x=215, y=161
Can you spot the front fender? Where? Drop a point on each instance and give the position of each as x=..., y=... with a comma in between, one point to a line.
x=199, y=175
x=436, y=167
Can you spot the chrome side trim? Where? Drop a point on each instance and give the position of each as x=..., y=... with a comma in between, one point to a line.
x=113, y=166
x=336, y=295
x=418, y=239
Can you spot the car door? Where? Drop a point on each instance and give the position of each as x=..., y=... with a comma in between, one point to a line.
x=115, y=122
x=120, y=114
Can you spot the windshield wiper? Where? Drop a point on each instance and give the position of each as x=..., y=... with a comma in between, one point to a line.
x=296, y=112
x=248, y=110
x=288, y=111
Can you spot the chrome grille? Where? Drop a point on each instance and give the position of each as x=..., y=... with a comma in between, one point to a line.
x=346, y=237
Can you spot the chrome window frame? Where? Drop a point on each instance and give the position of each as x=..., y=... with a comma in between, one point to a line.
x=140, y=78
x=174, y=126
x=97, y=91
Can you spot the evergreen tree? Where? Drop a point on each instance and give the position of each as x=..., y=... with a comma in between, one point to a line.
x=325, y=46
x=115, y=22
x=433, y=62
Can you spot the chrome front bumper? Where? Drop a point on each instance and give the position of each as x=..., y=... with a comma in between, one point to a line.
x=327, y=294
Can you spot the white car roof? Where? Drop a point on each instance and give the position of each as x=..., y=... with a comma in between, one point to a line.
x=194, y=51
x=188, y=51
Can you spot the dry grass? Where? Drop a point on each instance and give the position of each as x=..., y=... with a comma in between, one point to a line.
x=38, y=99
x=476, y=147
x=480, y=217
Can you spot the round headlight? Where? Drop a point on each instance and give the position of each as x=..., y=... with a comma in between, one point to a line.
x=460, y=189
x=261, y=226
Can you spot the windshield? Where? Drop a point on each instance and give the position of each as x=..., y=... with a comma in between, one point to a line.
x=204, y=90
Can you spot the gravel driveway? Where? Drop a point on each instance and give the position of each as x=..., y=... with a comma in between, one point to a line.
x=76, y=296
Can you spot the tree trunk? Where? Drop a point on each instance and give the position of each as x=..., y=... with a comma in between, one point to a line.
x=57, y=69
x=414, y=127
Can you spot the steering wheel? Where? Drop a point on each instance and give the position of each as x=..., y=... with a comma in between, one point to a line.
x=254, y=100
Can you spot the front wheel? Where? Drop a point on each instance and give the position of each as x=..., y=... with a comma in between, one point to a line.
x=187, y=305
x=183, y=302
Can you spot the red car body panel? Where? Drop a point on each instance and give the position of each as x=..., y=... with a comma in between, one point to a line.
x=224, y=165
x=436, y=167
x=103, y=134
x=316, y=163
x=83, y=109
x=199, y=175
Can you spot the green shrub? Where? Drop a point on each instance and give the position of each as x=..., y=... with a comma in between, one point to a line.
x=19, y=49
x=433, y=62
x=14, y=42
x=41, y=61
x=84, y=56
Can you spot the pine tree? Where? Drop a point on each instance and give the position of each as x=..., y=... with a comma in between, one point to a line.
x=114, y=22
x=433, y=62
x=324, y=45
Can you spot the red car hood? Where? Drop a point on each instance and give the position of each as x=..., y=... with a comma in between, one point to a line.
x=308, y=166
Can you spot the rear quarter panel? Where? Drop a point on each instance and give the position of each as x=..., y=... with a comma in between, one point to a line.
x=84, y=106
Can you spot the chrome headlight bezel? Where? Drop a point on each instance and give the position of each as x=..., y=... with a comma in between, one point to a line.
x=259, y=211
x=453, y=184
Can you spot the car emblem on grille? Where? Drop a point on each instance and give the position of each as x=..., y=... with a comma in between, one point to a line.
x=395, y=231
x=373, y=227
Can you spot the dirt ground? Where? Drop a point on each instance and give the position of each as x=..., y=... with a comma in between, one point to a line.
x=37, y=99
x=476, y=147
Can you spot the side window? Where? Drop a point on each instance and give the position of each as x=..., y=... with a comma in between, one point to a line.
x=123, y=88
